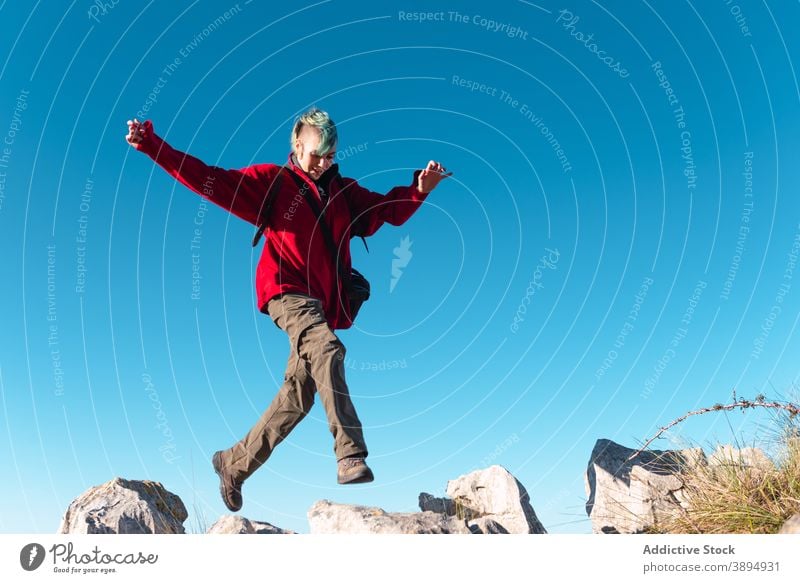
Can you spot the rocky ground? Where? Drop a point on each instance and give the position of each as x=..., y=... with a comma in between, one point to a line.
x=626, y=493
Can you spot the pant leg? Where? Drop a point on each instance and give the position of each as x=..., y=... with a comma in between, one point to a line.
x=316, y=362
x=304, y=321
x=293, y=401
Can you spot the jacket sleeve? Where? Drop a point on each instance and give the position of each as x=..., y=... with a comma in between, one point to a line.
x=370, y=210
x=240, y=192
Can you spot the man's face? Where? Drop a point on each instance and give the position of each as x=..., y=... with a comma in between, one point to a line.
x=306, y=152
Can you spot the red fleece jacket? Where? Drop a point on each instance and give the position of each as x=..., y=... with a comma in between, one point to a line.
x=295, y=257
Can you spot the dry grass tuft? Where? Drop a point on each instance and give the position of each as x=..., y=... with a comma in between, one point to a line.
x=742, y=495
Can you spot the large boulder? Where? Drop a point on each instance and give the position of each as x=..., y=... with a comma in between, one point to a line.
x=125, y=507
x=326, y=517
x=492, y=501
x=234, y=524
x=631, y=496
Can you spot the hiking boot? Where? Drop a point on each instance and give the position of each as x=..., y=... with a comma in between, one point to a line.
x=229, y=489
x=354, y=470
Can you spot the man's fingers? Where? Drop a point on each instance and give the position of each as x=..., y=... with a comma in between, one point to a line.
x=136, y=132
x=435, y=167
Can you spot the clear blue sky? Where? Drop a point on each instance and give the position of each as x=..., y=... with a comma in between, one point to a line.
x=617, y=246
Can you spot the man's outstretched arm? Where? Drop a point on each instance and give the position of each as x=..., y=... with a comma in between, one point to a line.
x=240, y=192
x=370, y=210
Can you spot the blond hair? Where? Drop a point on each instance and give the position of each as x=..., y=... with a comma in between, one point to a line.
x=320, y=120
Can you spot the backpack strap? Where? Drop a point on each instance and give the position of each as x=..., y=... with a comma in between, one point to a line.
x=340, y=181
x=266, y=206
x=324, y=227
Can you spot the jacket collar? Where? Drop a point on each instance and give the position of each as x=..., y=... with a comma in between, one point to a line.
x=324, y=180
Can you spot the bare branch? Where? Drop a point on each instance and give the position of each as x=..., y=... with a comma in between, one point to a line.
x=740, y=404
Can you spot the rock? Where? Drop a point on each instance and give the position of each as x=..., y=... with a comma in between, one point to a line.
x=633, y=496
x=428, y=502
x=751, y=457
x=496, y=495
x=791, y=526
x=233, y=524
x=486, y=525
x=125, y=507
x=489, y=501
x=326, y=517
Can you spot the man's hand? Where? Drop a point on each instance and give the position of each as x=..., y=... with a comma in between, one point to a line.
x=431, y=176
x=138, y=132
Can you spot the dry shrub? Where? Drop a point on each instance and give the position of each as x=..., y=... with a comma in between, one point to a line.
x=741, y=495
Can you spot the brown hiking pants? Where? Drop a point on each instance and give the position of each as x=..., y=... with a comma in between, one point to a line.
x=316, y=364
